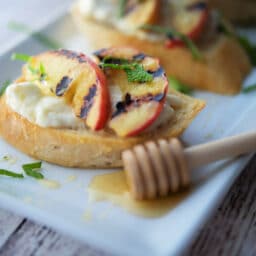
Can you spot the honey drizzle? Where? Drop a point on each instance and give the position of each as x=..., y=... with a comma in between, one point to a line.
x=113, y=187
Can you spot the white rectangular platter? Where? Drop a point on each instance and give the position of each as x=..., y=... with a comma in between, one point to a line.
x=120, y=232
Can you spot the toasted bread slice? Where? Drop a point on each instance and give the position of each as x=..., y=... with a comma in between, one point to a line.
x=223, y=69
x=84, y=148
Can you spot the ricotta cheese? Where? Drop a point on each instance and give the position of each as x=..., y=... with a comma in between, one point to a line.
x=46, y=111
x=50, y=111
x=100, y=10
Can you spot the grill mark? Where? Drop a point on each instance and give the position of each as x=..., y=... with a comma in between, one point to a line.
x=63, y=85
x=157, y=73
x=200, y=6
x=100, y=53
x=123, y=106
x=139, y=57
x=115, y=61
x=80, y=57
x=88, y=101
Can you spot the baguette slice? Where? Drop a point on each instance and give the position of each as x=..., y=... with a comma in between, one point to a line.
x=84, y=148
x=223, y=70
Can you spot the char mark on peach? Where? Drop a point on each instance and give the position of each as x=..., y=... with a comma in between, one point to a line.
x=80, y=57
x=157, y=73
x=63, y=85
x=116, y=61
x=122, y=106
x=100, y=52
x=88, y=101
x=139, y=57
x=200, y=6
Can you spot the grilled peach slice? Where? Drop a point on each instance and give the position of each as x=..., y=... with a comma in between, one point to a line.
x=136, y=13
x=137, y=104
x=188, y=17
x=74, y=76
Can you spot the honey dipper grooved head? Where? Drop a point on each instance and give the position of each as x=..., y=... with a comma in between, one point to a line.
x=155, y=169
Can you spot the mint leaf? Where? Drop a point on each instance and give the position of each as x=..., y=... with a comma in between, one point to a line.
x=11, y=174
x=134, y=71
x=32, y=170
x=21, y=57
x=121, y=8
x=178, y=86
x=243, y=41
x=175, y=34
x=39, y=72
x=4, y=86
x=249, y=88
x=249, y=48
x=138, y=74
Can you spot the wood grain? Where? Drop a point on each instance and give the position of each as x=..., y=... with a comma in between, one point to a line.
x=8, y=225
x=33, y=239
x=232, y=230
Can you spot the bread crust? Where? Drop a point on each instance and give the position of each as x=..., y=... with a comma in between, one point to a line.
x=84, y=148
x=223, y=70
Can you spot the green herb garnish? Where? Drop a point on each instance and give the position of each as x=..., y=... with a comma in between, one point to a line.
x=121, y=8
x=38, y=72
x=243, y=41
x=21, y=57
x=249, y=48
x=41, y=38
x=178, y=86
x=32, y=170
x=4, y=86
x=249, y=88
x=134, y=71
x=11, y=174
x=175, y=34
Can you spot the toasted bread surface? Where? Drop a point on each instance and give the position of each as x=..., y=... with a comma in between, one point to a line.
x=84, y=148
x=223, y=69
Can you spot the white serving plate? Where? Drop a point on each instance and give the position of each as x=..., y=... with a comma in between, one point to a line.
x=119, y=232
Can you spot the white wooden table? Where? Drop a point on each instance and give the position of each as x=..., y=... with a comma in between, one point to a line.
x=231, y=231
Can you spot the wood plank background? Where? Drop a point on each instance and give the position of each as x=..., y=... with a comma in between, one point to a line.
x=232, y=230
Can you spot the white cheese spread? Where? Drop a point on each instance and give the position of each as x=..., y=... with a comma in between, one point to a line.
x=46, y=111
x=100, y=10
x=50, y=111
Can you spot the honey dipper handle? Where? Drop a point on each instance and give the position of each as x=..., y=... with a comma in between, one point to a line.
x=220, y=149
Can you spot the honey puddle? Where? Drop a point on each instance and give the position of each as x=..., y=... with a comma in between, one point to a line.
x=114, y=188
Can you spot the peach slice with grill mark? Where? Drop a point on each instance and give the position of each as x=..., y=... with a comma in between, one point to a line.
x=137, y=13
x=78, y=79
x=135, y=105
x=189, y=17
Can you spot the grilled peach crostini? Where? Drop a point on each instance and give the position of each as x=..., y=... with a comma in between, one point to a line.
x=187, y=37
x=47, y=112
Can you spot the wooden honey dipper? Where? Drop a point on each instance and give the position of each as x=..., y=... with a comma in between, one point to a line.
x=157, y=168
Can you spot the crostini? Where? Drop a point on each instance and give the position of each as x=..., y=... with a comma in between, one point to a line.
x=72, y=110
x=185, y=36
